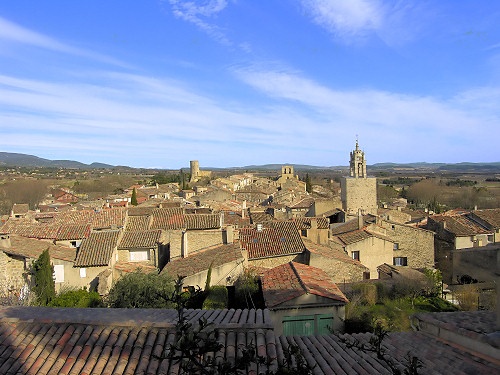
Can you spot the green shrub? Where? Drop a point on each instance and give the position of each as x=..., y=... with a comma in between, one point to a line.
x=142, y=290
x=216, y=298
x=77, y=298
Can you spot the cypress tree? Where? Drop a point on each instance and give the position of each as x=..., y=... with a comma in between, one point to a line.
x=133, y=200
x=43, y=272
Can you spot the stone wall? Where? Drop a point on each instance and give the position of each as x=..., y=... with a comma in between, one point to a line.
x=373, y=252
x=416, y=244
x=359, y=193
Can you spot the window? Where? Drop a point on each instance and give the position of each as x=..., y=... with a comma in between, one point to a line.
x=490, y=238
x=395, y=246
x=366, y=275
x=58, y=273
x=83, y=272
x=303, y=232
x=355, y=255
x=137, y=256
x=400, y=261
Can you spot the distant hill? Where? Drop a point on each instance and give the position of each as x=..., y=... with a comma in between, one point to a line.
x=24, y=160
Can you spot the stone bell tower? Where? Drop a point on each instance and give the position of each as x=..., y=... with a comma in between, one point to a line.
x=358, y=191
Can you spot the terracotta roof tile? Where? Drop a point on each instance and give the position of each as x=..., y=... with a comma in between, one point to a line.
x=32, y=248
x=460, y=225
x=168, y=218
x=305, y=222
x=73, y=232
x=202, y=221
x=275, y=239
x=136, y=223
x=96, y=250
x=42, y=340
x=491, y=216
x=291, y=280
x=138, y=239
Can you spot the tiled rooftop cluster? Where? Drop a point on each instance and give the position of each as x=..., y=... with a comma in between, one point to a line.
x=274, y=239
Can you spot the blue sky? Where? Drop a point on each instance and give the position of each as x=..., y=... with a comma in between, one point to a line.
x=156, y=83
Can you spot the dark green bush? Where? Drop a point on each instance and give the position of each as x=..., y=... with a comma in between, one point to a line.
x=77, y=298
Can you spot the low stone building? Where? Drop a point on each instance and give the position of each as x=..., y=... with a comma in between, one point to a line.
x=303, y=300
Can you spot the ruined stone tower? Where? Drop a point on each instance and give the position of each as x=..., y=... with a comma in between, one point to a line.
x=358, y=191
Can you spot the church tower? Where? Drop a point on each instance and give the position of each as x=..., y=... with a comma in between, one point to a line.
x=358, y=191
x=358, y=163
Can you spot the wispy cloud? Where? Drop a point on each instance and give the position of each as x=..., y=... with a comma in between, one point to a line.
x=353, y=21
x=13, y=33
x=396, y=118
x=346, y=19
x=199, y=13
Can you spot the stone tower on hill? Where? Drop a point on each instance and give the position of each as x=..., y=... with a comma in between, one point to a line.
x=196, y=173
x=359, y=192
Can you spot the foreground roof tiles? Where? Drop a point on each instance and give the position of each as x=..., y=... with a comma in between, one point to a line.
x=97, y=249
x=40, y=340
x=291, y=280
x=116, y=341
x=274, y=239
x=491, y=216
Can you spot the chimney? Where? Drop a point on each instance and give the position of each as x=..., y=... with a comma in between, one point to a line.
x=184, y=244
x=360, y=220
x=5, y=241
x=259, y=227
x=229, y=234
x=221, y=219
x=243, y=209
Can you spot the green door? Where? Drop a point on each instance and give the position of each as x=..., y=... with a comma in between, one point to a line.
x=302, y=325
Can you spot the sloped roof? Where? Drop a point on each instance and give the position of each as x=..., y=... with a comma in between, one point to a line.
x=460, y=225
x=304, y=203
x=491, y=216
x=140, y=239
x=73, y=232
x=96, y=250
x=260, y=217
x=135, y=223
x=168, y=218
x=352, y=225
x=202, y=221
x=117, y=341
x=275, y=239
x=109, y=218
x=291, y=280
x=201, y=260
x=305, y=222
x=140, y=211
x=33, y=248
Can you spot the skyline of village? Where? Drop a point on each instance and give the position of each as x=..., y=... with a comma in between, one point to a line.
x=156, y=83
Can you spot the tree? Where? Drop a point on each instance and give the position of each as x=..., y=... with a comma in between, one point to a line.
x=43, y=274
x=133, y=200
x=141, y=290
x=308, y=183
